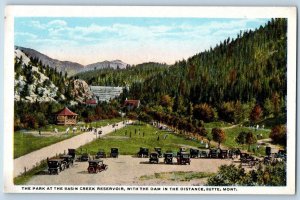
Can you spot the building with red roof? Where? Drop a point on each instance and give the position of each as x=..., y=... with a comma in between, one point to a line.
x=131, y=104
x=66, y=117
x=91, y=102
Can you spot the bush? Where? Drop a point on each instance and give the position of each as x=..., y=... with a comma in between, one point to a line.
x=144, y=117
x=278, y=134
x=203, y=112
x=231, y=175
x=132, y=115
x=218, y=135
x=226, y=112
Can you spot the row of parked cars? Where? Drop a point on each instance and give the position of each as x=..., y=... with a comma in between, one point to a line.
x=56, y=165
x=194, y=153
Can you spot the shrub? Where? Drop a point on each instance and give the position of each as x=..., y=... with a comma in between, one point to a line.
x=278, y=134
x=203, y=112
x=218, y=135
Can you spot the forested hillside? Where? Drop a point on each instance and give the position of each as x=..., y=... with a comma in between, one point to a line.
x=122, y=77
x=242, y=72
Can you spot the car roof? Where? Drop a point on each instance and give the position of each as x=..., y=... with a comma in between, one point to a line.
x=95, y=161
x=66, y=156
x=185, y=153
x=56, y=160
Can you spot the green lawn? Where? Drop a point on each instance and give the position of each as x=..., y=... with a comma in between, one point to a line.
x=232, y=133
x=25, y=143
x=127, y=145
x=219, y=124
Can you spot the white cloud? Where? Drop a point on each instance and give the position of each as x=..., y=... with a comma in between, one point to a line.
x=56, y=23
x=133, y=43
x=26, y=35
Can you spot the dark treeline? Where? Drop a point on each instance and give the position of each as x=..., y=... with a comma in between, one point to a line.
x=122, y=77
x=249, y=70
x=39, y=114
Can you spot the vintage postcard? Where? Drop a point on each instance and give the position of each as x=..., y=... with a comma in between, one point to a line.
x=152, y=100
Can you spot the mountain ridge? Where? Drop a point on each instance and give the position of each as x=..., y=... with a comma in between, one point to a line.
x=69, y=67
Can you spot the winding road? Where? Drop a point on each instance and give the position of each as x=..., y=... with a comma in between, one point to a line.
x=33, y=159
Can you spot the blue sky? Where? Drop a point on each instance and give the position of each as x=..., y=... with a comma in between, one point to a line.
x=132, y=40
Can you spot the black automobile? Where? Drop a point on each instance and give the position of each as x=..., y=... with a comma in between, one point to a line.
x=101, y=154
x=84, y=157
x=72, y=152
x=223, y=153
x=183, y=158
x=281, y=154
x=153, y=157
x=114, y=152
x=213, y=153
x=158, y=150
x=68, y=160
x=194, y=153
x=144, y=152
x=55, y=166
x=203, y=154
x=96, y=166
x=168, y=158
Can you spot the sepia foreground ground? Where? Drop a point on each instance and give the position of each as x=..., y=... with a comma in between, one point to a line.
x=127, y=170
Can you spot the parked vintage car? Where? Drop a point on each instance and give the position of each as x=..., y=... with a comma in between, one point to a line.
x=168, y=158
x=183, y=158
x=55, y=166
x=144, y=152
x=281, y=154
x=68, y=160
x=194, y=153
x=101, y=154
x=153, y=158
x=203, y=153
x=223, y=153
x=96, y=166
x=114, y=152
x=84, y=157
x=158, y=150
x=72, y=152
x=213, y=153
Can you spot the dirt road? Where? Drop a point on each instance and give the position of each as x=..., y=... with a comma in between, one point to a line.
x=28, y=161
x=127, y=170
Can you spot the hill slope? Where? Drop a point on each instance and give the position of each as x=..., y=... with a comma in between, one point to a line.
x=252, y=66
x=61, y=66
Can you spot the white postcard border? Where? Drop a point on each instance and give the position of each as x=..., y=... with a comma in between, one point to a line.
x=150, y=11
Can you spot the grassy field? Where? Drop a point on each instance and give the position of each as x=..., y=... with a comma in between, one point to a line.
x=25, y=143
x=131, y=138
x=232, y=133
x=219, y=124
x=177, y=176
